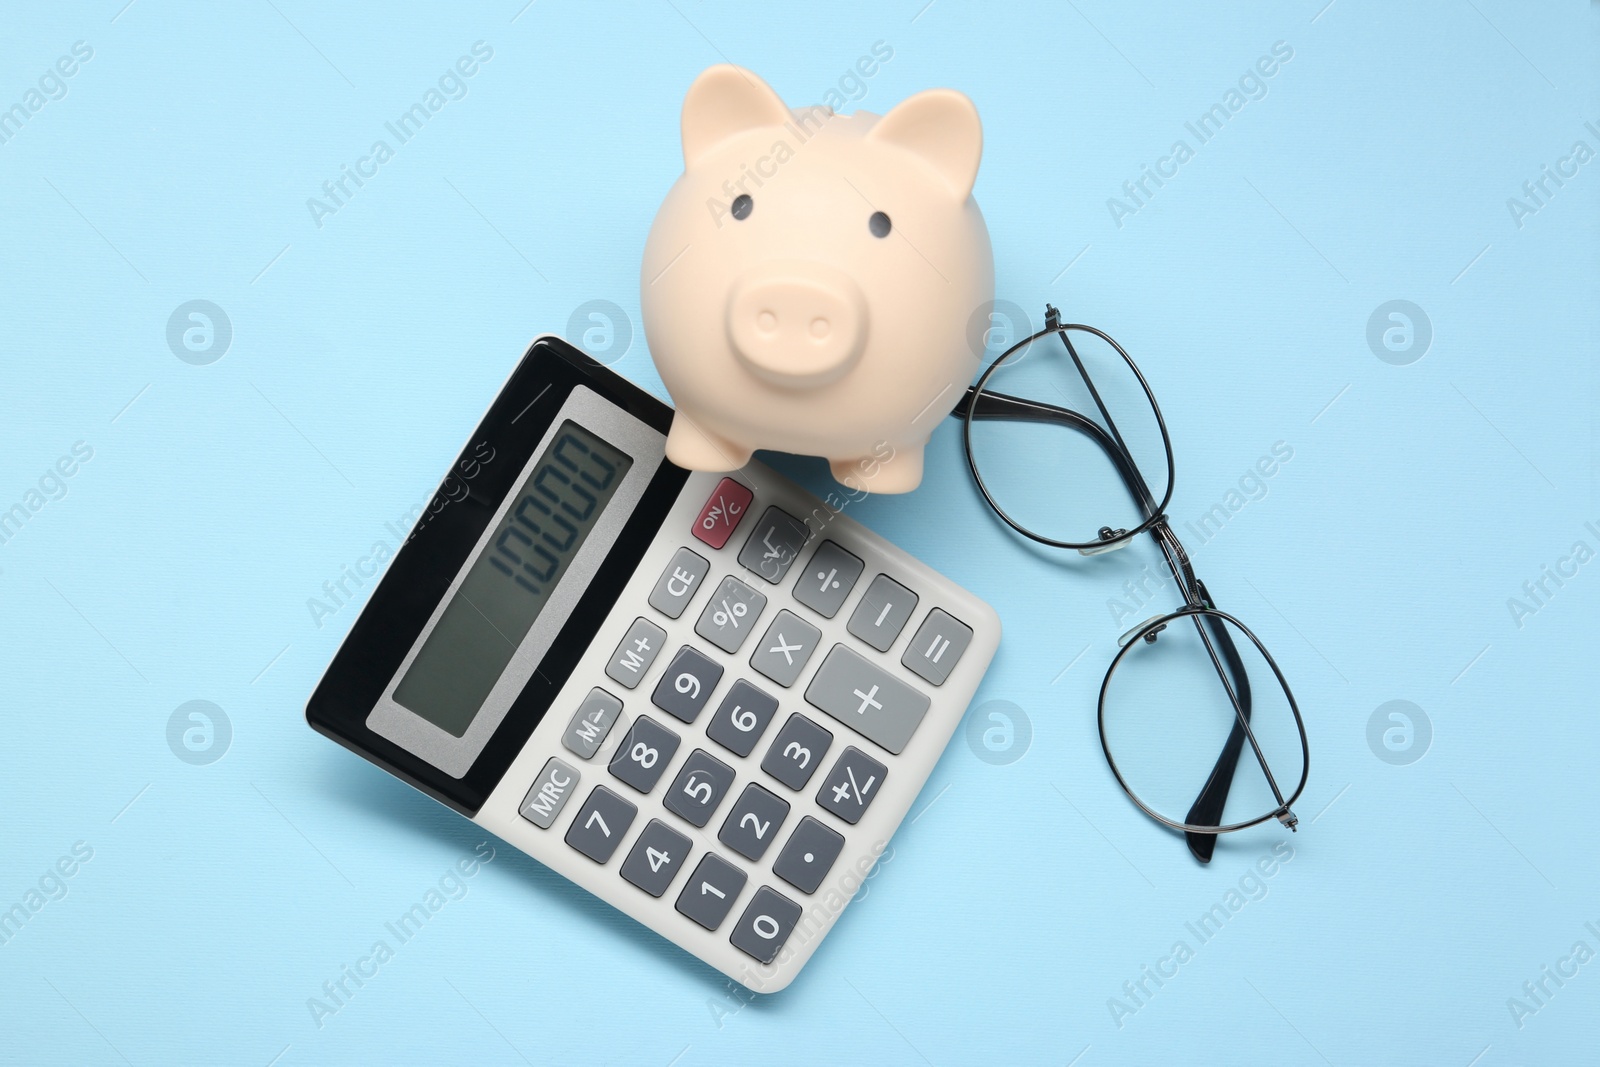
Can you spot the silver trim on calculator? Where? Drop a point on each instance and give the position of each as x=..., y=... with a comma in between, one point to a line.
x=455, y=755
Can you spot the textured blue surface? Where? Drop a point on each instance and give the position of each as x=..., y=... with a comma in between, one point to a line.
x=176, y=563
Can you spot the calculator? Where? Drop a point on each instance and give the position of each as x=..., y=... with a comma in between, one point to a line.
x=707, y=699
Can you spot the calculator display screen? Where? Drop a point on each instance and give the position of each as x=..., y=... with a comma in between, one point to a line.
x=510, y=581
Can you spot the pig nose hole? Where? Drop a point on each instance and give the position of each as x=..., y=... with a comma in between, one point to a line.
x=819, y=328
x=767, y=322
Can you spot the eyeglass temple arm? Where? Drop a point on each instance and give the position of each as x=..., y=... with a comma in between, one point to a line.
x=1208, y=806
x=1213, y=798
x=991, y=405
x=1130, y=474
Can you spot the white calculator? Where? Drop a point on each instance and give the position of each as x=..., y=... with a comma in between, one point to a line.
x=707, y=699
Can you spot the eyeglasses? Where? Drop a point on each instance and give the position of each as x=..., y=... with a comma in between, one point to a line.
x=1189, y=688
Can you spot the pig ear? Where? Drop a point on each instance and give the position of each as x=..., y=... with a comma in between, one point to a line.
x=941, y=126
x=723, y=101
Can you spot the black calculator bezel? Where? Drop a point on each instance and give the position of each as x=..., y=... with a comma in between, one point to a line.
x=439, y=544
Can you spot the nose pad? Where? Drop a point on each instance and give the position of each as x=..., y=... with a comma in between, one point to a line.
x=797, y=324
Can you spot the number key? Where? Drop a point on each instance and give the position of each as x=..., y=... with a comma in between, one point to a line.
x=712, y=889
x=742, y=718
x=656, y=858
x=754, y=822
x=601, y=824
x=765, y=925
x=699, y=787
x=643, y=756
x=797, y=751
x=687, y=684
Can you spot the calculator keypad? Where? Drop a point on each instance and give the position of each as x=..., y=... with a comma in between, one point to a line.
x=643, y=756
x=687, y=684
x=797, y=751
x=783, y=650
x=731, y=614
x=742, y=718
x=753, y=823
x=789, y=813
x=699, y=788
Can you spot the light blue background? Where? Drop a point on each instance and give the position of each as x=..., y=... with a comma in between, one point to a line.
x=219, y=498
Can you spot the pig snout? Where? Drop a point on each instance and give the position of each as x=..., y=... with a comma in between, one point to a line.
x=797, y=324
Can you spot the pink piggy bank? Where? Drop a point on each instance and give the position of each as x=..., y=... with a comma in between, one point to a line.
x=809, y=280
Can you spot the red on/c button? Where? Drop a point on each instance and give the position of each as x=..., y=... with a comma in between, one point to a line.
x=721, y=515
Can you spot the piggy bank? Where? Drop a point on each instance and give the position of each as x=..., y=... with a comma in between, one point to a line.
x=809, y=281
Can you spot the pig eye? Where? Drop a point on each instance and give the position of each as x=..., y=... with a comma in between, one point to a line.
x=742, y=206
x=878, y=224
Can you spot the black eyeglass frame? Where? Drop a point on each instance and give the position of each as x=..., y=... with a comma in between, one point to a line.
x=978, y=403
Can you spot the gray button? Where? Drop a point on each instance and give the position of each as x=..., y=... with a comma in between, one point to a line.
x=732, y=614
x=712, y=889
x=937, y=646
x=643, y=756
x=742, y=718
x=686, y=685
x=765, y=925
x=699, y=787
x=656, y=858
x=809, y=855
x=677, y=584
x=753, y=823
x=555, y=784
x=852, y=785
x=797, y=751
x=827, y=579
x=782, y=652
x=774, y=543
x=636, y=653
x=600, y=824
x=867, y=698
x=883, y=612
x=591, y=723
